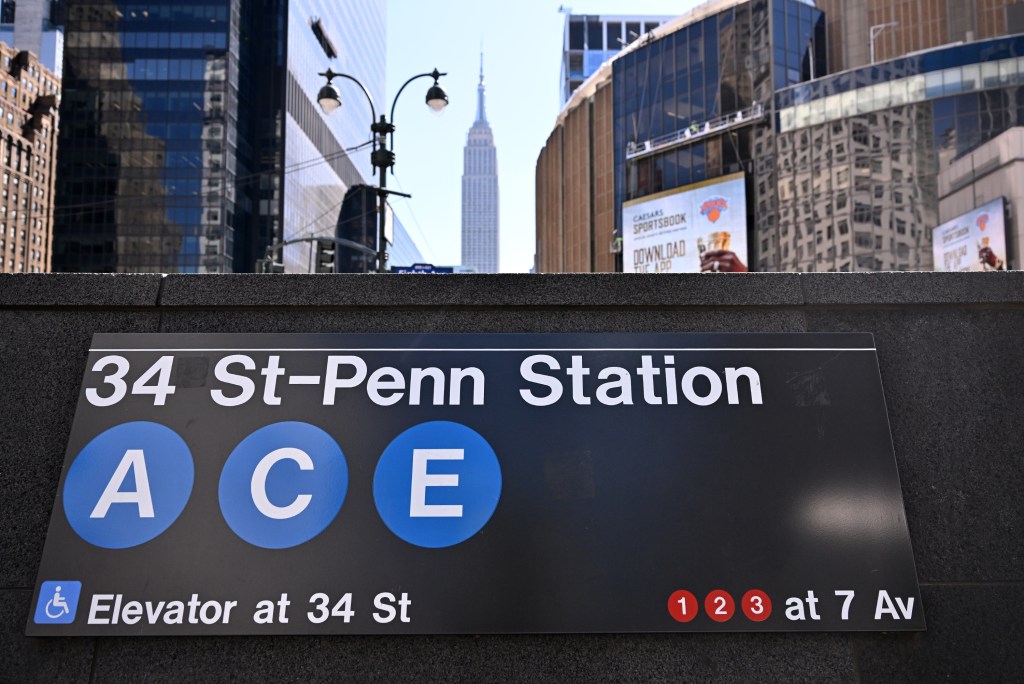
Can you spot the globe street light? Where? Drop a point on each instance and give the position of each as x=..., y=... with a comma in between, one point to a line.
x=382, y=157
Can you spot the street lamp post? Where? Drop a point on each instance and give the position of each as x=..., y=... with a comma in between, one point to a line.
x=382, y=157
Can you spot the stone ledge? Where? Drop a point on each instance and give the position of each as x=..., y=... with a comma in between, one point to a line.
x=613, y=290
x=913, y=288
x=468, y=290
x=79, y=289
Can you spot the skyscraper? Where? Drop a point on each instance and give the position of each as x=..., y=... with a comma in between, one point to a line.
x=480, y=192
x=30, y=26
x=191, y=134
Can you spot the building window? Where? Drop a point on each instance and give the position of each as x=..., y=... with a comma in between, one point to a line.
x=575, y=34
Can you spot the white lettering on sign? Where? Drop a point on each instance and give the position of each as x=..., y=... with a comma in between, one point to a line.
x=387, y=386
x=418, y=506
x=258, y=486
x=134, y=460
x=222, y=373
x=700, y=385
x=112, y=609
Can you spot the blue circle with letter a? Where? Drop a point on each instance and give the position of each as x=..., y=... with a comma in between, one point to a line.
x=437, y=484
x=128, y=485
x=283, y=484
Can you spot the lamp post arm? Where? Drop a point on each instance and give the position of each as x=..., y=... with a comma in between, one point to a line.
x=373, y=111
x=435, y=74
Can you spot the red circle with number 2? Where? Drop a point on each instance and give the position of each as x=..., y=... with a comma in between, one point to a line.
x=756, y=605
x=719, y=605
x=682, y=605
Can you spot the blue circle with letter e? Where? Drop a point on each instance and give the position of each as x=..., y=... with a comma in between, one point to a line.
x=437, y=484
x=283, y=484
x=128, y=485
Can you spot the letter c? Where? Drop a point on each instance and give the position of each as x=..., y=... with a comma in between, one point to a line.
x=258, y=486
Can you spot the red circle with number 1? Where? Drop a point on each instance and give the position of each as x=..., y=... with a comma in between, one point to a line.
x=756, y=605
x=682, y=605
x=719, y=605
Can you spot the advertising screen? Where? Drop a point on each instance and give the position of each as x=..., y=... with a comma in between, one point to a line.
x=700, y=227
x=975, y=241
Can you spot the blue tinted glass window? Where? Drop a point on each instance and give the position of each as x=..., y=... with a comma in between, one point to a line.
x=595, y=34
x=682, y=53
x=699, y=172
x=671, y=168
x=614, y=35
x=696, y=48
x=576, y=35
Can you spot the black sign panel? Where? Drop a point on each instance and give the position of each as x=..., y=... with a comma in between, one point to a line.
x=430, y=484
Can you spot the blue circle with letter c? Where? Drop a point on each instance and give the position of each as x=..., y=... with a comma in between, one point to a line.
x=283, y=485
x=437, y=484
x=128, y=485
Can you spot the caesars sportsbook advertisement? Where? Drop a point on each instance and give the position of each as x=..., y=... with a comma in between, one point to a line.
x=699, y=227
x=975, y=241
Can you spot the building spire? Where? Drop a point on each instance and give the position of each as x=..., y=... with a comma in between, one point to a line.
x=481, y=113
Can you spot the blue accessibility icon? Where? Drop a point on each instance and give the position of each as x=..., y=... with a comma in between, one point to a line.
x=58, y=602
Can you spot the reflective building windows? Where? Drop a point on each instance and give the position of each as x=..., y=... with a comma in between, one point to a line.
x=149, y=135
x=191, y=141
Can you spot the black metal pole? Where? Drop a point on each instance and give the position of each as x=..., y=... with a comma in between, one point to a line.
x=383, y=159
x=382, y=195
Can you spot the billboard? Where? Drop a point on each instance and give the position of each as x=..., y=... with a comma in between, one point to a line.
x=468, y=484
x=699, y=227
x=975, y=241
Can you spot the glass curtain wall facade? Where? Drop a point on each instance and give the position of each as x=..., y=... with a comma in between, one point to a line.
x=322, y=154
x=842, y=168
x=149, y=140
x=696, y=79
x=191, y=136
x=859, y=154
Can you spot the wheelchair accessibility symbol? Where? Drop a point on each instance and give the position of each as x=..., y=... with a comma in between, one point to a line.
x=58, y=602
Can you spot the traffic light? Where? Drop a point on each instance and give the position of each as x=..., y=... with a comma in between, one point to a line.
x=326, y=256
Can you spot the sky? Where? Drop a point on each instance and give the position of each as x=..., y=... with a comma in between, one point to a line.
x=522, y=46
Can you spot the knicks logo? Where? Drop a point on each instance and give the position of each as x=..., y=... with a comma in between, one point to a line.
x=714, y=207
x=982, y=221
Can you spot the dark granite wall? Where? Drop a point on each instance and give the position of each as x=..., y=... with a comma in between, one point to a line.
x=952, y=361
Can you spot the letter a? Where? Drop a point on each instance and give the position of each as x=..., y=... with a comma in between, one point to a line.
x=136, y=460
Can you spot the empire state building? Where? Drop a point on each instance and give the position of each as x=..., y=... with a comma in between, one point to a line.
x=480, y=192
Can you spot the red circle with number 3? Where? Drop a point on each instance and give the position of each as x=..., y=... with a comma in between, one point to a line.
x=719, y=605
x=756, y=605
x=682, y=605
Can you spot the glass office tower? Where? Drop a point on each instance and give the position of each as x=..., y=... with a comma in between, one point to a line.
x=191, y=137
x=147, y=179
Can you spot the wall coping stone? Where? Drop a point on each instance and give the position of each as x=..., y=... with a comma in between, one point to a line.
x=562, y=290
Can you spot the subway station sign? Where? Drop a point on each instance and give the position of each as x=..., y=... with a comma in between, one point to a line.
x=436, y=484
